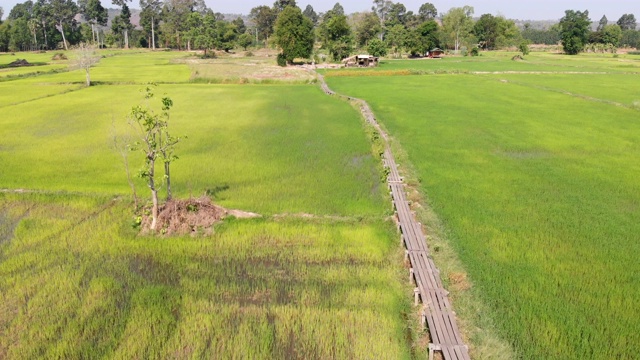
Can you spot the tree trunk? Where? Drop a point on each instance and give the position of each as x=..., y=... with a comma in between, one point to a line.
x=64, y=40
x=44, y=30
x=154, y=196
x=126, y=38
x=154, y=210
x=167, y=173
x=189, y=45
x=153, y=35
x=88, y=76
x=93, y=34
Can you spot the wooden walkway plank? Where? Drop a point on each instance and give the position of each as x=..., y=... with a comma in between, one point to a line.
x=438, y=313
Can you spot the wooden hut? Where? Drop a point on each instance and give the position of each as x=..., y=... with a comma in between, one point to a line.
x=435, y=53
x=361, y=61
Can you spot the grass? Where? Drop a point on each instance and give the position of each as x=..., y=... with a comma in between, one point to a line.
x=272, y=154
x=76, y=283
x=245, y=70
x=615, y=88
x=537, y=192
x=319, y=276
x=12, y=93
x=501, y=62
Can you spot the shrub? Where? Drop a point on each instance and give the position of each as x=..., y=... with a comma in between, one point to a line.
x=524, y=48
x=209, y=54
x=377, y=48
x=248, y=54
x=281, y=60
x=475, y=51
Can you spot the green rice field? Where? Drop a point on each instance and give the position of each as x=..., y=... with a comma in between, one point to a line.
x=535, y=179
x=529, y=168
x=319, y=275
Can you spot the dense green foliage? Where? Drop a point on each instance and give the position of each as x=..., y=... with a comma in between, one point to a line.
x=294, y=34
x=574, y=31
x=335, y=34
x=538, y=190
x=547, y=37
x=179, y=24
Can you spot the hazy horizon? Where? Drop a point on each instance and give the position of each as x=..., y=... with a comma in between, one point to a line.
x=539, y=10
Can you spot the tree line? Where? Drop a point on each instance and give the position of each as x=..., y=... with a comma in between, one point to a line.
x=387, y=29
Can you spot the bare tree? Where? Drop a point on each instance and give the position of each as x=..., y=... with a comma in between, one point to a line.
x=85, y=57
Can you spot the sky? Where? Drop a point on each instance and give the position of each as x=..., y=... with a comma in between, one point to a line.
x=523, y=10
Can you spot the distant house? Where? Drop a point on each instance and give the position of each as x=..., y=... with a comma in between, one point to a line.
x=361, y=61
x=435, y=53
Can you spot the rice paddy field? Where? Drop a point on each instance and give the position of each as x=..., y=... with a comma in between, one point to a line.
x=318, y=276
x=532, y=167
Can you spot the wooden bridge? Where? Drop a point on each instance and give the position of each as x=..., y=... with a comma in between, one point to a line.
x=437, y=314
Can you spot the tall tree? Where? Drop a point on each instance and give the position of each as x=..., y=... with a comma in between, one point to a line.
x=382, y=8
x=93, y=12
x=335, y=33
x=396, y=15
x=294, y=34
x=264, y=17
x=227, y=35
x=458, y=24
x=21, y=10
x=240, y=26
x=122, y=24
x=574, y=31
x=150, y=19
x=174, y=16
x=428, y=33
x=62, y=12
x=1, y=13
x=208, y=34
x=367, y=28
x=280, y=5
x=337, y=10
x=311, y=14
x=41, y=11
x=612, y=34
x=33, y=25
x=427, y=12
x=486, y=30
x=495, y=31
x=602, y=23
x=396, y=38
x=627, y=22
x=19, y=40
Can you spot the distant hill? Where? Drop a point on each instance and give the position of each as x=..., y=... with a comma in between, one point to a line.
x=536, y=24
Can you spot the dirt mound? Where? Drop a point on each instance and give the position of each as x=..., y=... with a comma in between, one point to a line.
x=59, y=56
x=19, y=63
x=192, y=216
